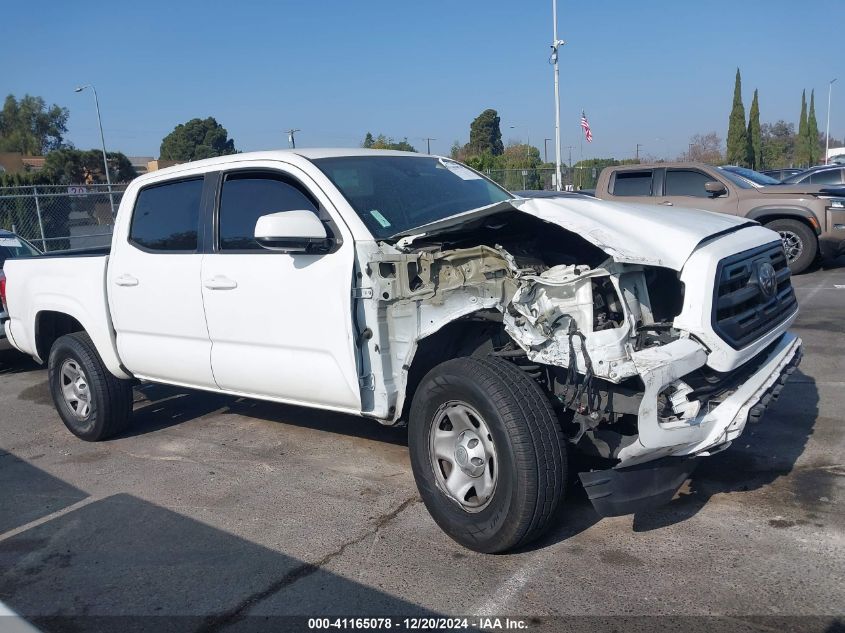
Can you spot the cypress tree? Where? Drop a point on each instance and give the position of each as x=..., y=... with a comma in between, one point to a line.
x=737, y=134
x=813, y=150
x=801, y=157
x=755, y=143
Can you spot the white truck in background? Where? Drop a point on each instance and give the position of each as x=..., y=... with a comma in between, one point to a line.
x=506, y=332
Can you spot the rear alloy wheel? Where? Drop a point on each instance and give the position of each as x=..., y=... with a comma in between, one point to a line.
x=92, y=402
x=487, y=453
x=799, y=243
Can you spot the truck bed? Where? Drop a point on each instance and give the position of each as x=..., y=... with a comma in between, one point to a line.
x=73, y=283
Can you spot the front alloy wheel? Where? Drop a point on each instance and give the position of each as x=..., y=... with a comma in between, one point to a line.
x=463, y=456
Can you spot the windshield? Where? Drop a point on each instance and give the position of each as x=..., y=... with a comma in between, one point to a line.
x=394, y=194
x=14, y=246
x=794, y=179
x=754, y=176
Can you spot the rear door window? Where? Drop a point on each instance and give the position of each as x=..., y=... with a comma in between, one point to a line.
x=686, y=182
x=827, y=177
x=166, y=217
x=633, y=183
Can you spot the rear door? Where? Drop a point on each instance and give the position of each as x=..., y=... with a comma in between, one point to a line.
x=154, y=287
x=684, y=187
x=280, y=323
x=634, y=185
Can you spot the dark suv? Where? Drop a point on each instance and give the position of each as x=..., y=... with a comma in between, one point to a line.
x=821, y=175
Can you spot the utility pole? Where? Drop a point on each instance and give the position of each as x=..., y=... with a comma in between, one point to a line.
x=546, y=149
x=556, y=44
x=291, y=138
x=689, y=153
x=827, y=128
x=571, y=175
x=639, y=145
x=428, y=144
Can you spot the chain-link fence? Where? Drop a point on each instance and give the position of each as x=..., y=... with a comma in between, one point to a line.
x=573, y=178
x=60, y=217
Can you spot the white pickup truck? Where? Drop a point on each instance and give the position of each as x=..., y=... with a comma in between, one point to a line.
x=506, y=332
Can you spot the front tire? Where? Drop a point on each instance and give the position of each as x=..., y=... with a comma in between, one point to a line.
x=487, y=453
x=799, y=243
x=93, y=404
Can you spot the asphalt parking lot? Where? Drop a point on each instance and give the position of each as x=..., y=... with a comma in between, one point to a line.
x=231, y=510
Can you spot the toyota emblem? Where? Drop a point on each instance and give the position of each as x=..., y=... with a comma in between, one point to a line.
x=767, y=279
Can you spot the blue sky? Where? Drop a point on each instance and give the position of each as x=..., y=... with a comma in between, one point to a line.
x=652, y=72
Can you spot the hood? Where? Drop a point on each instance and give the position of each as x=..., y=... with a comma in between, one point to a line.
x=797, y=190
x=635, y=233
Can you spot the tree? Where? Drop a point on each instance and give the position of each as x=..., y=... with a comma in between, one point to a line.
x=755, y=147
x=802, y=152
x=485, y=133
x=195, y=140
x=28, y=126
x=705, y=148
x=74, y=166
x=814, y=153
x=737, y=134
x=778, y=144
x=386, y=142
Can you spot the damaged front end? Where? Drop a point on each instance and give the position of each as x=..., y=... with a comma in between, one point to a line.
x=598, y=334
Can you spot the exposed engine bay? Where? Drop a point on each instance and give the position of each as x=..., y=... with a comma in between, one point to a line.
x=565, y=312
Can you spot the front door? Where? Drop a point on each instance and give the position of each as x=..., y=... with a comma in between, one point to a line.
x=154, y=287
x=685, y=188
x=280, y=323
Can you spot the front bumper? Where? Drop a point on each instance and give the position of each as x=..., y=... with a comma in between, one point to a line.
x=832, y=244
x=719, y=421
x=634, y=486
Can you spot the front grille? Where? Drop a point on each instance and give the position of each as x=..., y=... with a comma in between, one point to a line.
x=741, y=311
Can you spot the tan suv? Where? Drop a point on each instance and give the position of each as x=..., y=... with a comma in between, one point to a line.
x=810, y=218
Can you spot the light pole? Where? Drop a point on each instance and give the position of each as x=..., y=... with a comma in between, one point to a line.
x=546, y=149
x=102, y=140
x=556, y=44
x=827, y=128
x=291, y=139
x=639, y=145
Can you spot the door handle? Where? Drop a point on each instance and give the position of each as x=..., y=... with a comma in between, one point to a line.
x=126, y=280
x=220, y=282
x=667, y=203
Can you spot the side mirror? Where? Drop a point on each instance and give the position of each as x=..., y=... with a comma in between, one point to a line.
x=291, y=232
x=715, y=188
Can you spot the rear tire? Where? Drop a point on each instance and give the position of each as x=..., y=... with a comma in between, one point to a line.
x=93, y=404
x=512, y=453
x=799, y=242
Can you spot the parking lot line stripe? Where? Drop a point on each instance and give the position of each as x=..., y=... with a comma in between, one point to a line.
x=46, y=519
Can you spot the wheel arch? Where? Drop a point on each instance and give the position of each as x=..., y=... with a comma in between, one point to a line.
x=52, y=322
x=766, y=214
x=473, y=334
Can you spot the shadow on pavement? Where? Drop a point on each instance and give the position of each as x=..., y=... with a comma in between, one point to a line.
x=764, y=453
x=159, y=406
x=13, y=362
x=122, y=556
x=28, y=493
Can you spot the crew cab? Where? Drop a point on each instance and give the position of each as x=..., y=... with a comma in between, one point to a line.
x=506, y=332
x=810, y=218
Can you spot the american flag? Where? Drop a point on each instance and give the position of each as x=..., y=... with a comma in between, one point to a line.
x=588, y=133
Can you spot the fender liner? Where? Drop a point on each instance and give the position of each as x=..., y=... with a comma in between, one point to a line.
x=785, y=211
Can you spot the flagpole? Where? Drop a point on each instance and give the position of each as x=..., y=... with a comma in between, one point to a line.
x=556, y=43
